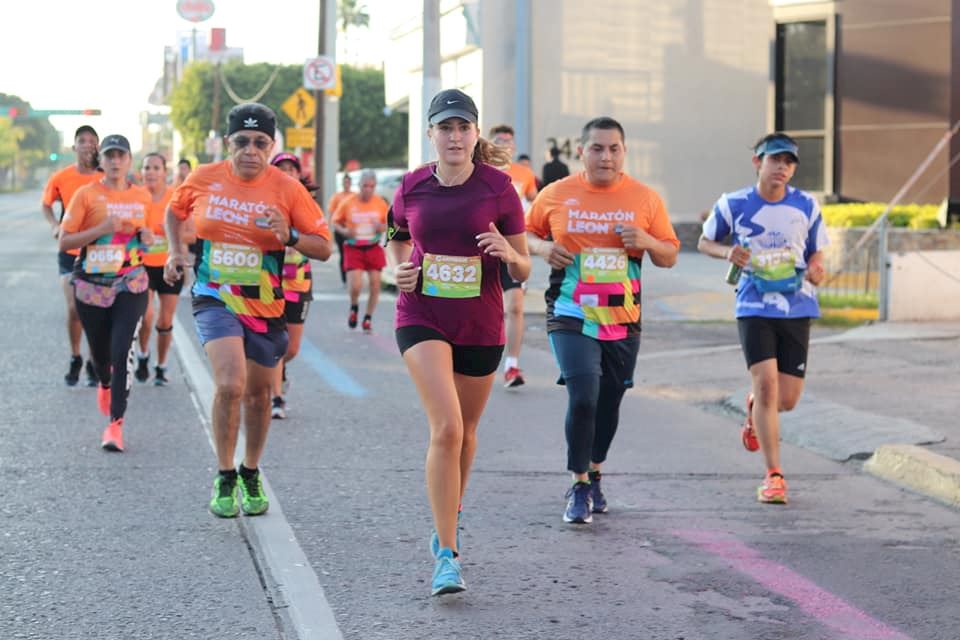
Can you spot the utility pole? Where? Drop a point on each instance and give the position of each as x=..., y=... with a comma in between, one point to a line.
x=431, y=71
x=326, y=119
x=215, y=123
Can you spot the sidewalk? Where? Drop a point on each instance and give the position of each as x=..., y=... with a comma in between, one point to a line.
x=882, y=392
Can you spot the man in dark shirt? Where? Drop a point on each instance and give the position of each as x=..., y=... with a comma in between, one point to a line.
x=555, y=169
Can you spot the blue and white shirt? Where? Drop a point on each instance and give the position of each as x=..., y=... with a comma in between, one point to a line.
x=793, y=224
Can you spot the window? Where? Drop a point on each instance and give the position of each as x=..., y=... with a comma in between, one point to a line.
x=803, y=102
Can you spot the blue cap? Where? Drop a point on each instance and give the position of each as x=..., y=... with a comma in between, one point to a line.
x=778, y=145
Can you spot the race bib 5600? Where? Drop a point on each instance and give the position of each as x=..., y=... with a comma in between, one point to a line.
x=235, y=264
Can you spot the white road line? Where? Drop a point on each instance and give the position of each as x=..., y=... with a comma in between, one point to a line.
x=294, y=586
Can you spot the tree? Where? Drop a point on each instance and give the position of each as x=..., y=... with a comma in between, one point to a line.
x=26, y=142
x=352, y=14
x=366, y=133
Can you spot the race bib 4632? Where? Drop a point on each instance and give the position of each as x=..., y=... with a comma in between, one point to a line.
x=451, y=276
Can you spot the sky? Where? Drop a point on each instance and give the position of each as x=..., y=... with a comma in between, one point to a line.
x=108, y=54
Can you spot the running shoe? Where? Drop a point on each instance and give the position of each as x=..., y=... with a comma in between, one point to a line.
x=224, y=503
x=579, y=504
x=253, y=499
x=599, y=500
x=160, y=377
x=73, y=374
x=142, y=373
x=91, y=371
x=352, y=319
x=773, y=490
x=112, y=439
x=748, y=435
x=279, y=409
x=435, y=539
x=103, y=400
x=447, y=575
x=513, y=378
x=367, y=324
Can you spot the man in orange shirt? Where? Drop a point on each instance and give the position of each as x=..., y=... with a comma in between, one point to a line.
x=361, y=219
x=246, y=212
x=600, y=223
x=335, y=201
x=525, y=182
x=61, y=187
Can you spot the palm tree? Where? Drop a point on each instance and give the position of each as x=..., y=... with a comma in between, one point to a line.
x=352, y=14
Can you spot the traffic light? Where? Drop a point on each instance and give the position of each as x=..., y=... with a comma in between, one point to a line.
x=91, y=112
x=9, y=112
x=54, y=156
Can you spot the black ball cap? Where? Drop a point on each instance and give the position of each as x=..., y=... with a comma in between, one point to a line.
x=252, y=116
x=114, y=141
x=452, y=103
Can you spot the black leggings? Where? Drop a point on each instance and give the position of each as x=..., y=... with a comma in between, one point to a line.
x=111, y=333
x=339, y=238
x=596, y=373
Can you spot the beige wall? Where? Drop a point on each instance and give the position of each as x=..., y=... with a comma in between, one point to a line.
x=921, y=287
x=688, y=80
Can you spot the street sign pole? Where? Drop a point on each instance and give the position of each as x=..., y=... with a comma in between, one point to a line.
x=318, y=121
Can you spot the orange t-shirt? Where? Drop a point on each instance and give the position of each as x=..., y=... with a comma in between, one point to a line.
x=62, y=185
x=367, y=219
x=156, y=254
x=523, y=181
x=112, y=254
x=336, y=199
x=241, y=261
x=599, y=294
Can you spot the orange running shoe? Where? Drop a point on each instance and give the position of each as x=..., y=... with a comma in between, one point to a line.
x=112, y=439
x=748, y=435
x=773, y=490
x=103, y=400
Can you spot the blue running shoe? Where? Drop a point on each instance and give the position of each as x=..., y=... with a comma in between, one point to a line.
x=435, y=539
x=579, y=504
x=599, y=500
x=446, y=574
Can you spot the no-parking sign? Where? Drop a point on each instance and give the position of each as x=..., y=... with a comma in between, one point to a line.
x=319, y=73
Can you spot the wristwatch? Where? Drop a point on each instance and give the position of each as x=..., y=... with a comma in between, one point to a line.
x=294, y=237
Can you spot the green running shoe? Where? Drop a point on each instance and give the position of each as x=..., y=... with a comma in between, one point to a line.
x=253, y=499
x=224, y=501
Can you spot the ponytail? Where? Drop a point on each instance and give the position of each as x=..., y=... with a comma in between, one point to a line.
x=489, y=153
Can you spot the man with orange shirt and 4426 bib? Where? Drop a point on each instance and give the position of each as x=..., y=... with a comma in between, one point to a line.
x=601, y=222
x=245, y=212
x=361, y=219
x=61, y=186
x=525, y=183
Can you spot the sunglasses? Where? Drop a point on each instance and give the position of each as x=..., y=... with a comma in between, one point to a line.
x=242, y=142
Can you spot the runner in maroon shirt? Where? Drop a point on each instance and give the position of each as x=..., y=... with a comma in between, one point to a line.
x=453, y=223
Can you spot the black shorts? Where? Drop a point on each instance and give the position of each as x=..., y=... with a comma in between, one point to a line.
x=506, y=282
x=296, y=312
x=158, y=284
x=469, y=360
x=786, y=339
x=65, y=262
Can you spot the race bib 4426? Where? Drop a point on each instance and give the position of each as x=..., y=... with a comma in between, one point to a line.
x=451, y=276
x=237, y=264
x=600, y=265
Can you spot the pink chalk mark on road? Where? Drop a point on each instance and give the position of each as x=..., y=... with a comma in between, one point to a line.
x=829, y=610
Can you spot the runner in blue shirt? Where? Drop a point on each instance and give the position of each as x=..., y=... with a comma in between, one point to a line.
x=778, y=235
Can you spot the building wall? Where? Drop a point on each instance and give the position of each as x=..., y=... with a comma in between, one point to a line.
x=893, y=97
x=687, y=79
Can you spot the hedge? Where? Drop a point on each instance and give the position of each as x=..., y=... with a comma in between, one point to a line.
x=857, y=214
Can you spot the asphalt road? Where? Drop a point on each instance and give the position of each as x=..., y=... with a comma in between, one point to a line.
x=98, y=545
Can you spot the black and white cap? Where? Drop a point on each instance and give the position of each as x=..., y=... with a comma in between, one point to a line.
x=114, y=141
x=252, y=116
x=452, y=103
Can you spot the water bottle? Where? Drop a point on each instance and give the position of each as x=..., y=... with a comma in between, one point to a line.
x=733, y=273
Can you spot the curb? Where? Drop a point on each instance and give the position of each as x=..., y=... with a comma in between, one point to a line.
x=918, y=469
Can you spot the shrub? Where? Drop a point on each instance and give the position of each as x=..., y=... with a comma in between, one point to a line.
x=863, y=214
